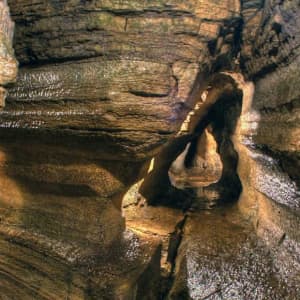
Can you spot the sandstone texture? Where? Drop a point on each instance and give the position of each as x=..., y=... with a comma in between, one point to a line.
x=221, y=258
x=270, y=34
x=268, y=133
x=123, y=70
x=101, y=86
x=197, y=101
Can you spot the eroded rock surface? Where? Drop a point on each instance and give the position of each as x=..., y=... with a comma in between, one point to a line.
x=265, y=140
x=220, y=257
x=271, y=35
x=103, y=87
x=8, y=63
x=128, y=66
x=29, y=273
x=268, y=133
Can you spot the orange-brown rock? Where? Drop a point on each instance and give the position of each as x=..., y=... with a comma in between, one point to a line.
x=105, y=86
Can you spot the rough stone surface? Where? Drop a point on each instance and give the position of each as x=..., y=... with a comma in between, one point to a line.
x=271, y=35
x=130, y=66
x=8, y=63
x=267, y=141
x=130, y=271
x=156, y=30
x=159, y=222
x=220, y=257
x=103, y=87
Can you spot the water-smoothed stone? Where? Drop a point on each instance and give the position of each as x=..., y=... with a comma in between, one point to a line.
x=62, y=193
x=206, y=165
x=220, y=257
x=154, y=221
x=126, y=103
x=92, y=80
x=113, y=80
x=130, y=271
x=61, y=206
x=269, y=128
x=276, y=100
x=266, y=142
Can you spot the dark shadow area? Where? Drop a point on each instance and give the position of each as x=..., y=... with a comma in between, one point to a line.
x=224, y=116
x=220, y=113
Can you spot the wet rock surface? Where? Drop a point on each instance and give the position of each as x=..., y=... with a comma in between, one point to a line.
x=221, y=258
x=105, y=86
x=61, y=221
x=121, y=71
x=268, y=132
x=150, y=30
x=98, y=81
x=157, y=222
x=129, y=272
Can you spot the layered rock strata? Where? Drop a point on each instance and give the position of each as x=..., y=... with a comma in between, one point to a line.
x=106, y=85
x=268, y=135
x=220, y=257
x=102, y=85
x=123, y=71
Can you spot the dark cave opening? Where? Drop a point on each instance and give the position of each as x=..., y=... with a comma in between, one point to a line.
x=199, y=167
x=209, y=169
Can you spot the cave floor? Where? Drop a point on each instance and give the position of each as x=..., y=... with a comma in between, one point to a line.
x=210, y=254
x=27, y=274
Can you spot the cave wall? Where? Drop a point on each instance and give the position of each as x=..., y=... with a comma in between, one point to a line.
x=267, y=137
x=115, y=62
x=105, y=80
x=102, y=86
x=270, y=195
x=270, y=36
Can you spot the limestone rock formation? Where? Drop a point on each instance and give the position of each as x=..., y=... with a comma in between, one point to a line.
x=111, y=92
x=206, y=165
x=129, y=66
x=102, y=85
x=269, y=132
x=271, y=35
x=220, y=257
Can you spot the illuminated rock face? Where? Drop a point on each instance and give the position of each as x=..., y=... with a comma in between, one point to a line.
x=206, y=165
x=268, y=134
x=105, y=86
x=122, y=69
x=102, y=85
